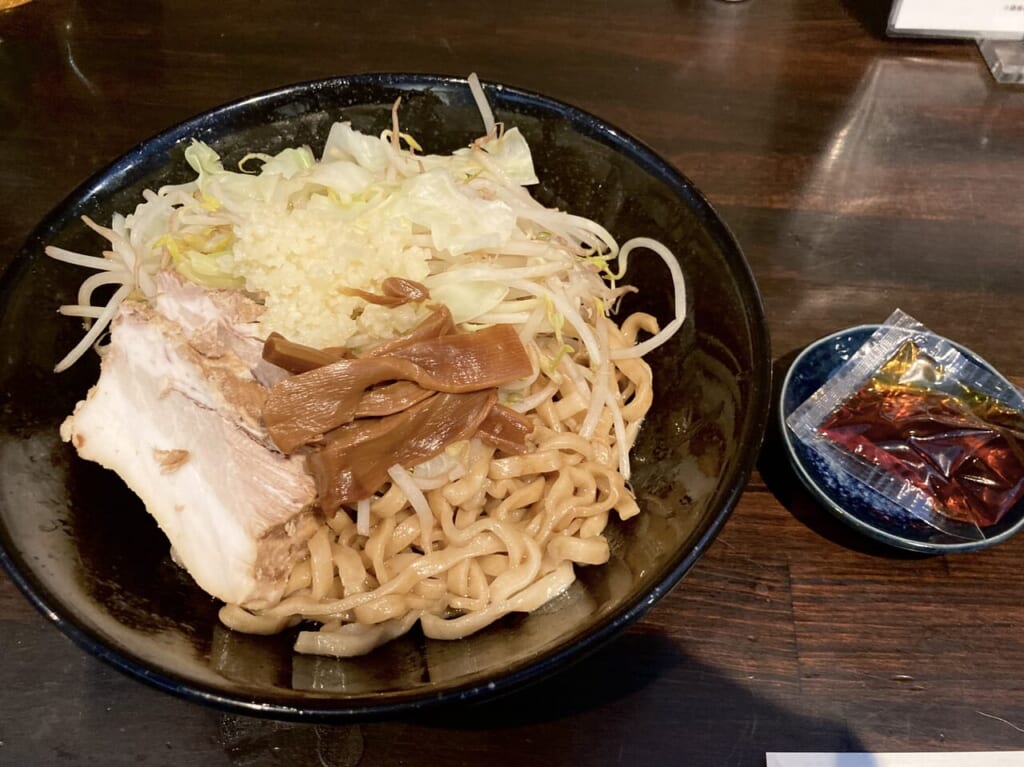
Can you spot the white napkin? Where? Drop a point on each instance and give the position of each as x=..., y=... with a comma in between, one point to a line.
x=930, y=759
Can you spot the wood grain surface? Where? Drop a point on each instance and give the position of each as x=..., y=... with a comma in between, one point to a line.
x=859, y=173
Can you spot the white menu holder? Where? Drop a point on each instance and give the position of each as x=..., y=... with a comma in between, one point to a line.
x=996, y=25
x=971, y=19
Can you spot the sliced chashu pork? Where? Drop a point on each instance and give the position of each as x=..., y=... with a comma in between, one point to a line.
x=182, y=430
x=216, y=322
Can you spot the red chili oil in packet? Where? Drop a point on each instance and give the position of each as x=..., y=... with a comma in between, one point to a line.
x=922, y=424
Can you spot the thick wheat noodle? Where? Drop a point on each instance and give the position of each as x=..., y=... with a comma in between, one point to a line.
x=505, y=537
x=527, y=600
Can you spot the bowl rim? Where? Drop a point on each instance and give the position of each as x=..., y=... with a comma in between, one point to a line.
x=824, y=497
x=350, y=708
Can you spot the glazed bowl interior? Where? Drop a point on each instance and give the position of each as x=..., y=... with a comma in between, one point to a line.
x=85, y=552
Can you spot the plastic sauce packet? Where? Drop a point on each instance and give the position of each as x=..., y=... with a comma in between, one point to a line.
x=914, y=418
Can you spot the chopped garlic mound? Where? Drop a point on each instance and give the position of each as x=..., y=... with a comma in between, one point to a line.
x=299, y=260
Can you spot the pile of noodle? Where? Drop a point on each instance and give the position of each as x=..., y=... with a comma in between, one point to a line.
x=473, y=534
x=506, y=530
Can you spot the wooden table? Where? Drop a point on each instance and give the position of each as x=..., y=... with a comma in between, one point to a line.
x=859, y=173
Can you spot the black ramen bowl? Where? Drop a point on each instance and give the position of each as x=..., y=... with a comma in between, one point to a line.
x=82, y=548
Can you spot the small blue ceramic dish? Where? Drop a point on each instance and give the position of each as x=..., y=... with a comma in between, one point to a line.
x=853, y=502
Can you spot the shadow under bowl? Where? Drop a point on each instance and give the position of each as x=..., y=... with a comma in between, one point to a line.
x=850, y=500
x=88, y=556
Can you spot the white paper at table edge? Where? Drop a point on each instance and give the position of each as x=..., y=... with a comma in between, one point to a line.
x=923, y=759
x=1000, y=19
